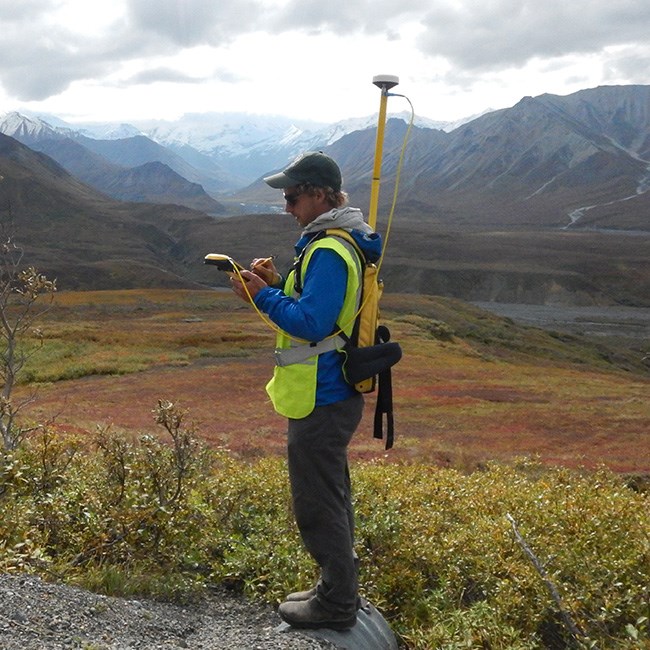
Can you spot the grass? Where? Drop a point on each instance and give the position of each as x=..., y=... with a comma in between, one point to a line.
x=471, y=386
x=122, y=332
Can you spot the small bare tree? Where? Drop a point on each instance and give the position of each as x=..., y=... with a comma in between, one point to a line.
x=25, y=295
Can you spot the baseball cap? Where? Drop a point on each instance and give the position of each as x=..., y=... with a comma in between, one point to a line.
x=313, y=167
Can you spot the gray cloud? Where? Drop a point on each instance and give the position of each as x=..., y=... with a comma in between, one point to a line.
x=348, y=16
x=194, y=22
x=171, y=75
x=24, y=10
x=39, y=59
x=156, y=75
x=37, y=64
x=632, y=65
x=508, y=33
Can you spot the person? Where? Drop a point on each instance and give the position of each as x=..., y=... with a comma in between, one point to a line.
x=319, y=297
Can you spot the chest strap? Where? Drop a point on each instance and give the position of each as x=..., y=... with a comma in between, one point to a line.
x=300, y=353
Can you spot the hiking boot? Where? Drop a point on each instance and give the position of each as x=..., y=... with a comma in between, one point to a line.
x=310, y=614
x=297, y=596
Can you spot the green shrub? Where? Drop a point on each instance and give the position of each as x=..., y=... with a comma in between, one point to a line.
x=452, y=549
x=433, y=328
x=438, y=553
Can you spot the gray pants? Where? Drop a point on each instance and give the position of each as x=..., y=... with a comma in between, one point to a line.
x=322, y=498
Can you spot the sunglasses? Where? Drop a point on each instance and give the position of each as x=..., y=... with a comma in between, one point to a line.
x=292, y=199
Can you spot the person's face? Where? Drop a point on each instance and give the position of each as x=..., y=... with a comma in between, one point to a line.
x=305, y=207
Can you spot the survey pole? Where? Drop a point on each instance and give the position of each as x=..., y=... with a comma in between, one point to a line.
x=384, y=82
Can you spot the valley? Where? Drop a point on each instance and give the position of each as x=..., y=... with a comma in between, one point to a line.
x=538, y=214
x=543, y=203
x=472, y=386
x=611, y=322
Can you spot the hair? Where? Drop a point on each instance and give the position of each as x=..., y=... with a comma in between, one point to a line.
x=332, y=197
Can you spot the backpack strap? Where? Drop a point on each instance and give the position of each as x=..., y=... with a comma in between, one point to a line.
x=330, y=232
x=384, y=404
x=351, y=245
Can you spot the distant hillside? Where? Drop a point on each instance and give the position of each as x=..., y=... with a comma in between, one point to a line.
x=138, y=150
x=574, y=162
x=120, y=168
x=542, y=161
x=87, y=240
x=581, y=161
x=154, y=182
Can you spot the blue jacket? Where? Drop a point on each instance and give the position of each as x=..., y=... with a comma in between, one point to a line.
x=314, y=315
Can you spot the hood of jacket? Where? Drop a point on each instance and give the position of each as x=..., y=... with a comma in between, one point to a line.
x=350, y=219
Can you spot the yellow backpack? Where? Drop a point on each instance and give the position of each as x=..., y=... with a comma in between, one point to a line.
x=370, y=354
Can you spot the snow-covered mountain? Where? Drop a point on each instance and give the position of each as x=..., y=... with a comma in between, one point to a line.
x=246, y=145
x=251, y=145
x=106, y=164
x=24, y=127
x=110, y=131
x=221, y=152
x=559, y=161
x=238, y=134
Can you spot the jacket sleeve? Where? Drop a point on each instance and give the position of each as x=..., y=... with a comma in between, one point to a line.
x=313, y=315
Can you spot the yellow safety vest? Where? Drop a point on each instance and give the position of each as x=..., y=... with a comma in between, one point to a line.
x=293, y=387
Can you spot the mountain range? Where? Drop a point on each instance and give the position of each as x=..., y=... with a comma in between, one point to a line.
x=544, y=201
x=574, y=161
x=221, y=152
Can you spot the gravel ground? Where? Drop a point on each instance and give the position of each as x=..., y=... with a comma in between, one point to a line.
x=36, y=615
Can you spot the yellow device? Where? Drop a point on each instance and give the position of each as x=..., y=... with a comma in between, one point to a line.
x=223, y=263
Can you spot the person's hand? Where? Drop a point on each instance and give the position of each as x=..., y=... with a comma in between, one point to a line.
x=264, y=268
x=254, y=284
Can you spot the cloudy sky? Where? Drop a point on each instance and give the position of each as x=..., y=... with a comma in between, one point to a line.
x=123, y=60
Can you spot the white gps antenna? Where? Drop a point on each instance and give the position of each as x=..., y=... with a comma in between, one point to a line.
x=385, y=81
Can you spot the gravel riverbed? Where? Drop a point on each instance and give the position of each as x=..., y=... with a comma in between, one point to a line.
x=36, y=615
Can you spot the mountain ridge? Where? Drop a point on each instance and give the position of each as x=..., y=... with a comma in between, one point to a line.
x=104, y=164
x=547, y=202
x=542, y=158
x=566, y=162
